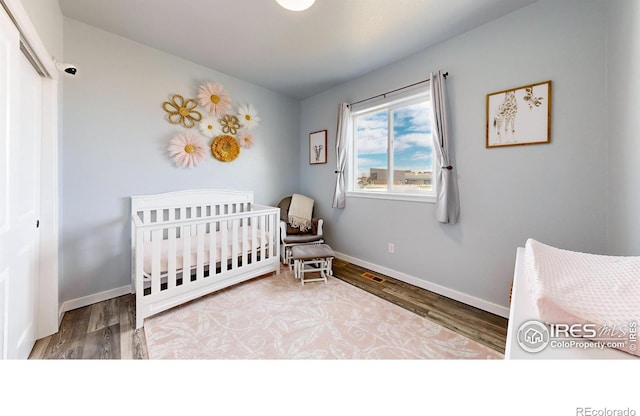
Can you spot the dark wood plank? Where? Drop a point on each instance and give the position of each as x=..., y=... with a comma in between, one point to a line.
x=104, y=314
x=103, y=344
x=68, y=342
x=133, y=344
x=479, y=333
x=40, y=349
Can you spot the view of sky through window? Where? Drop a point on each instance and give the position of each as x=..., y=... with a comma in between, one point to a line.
x=412, y=138
x=412, y=149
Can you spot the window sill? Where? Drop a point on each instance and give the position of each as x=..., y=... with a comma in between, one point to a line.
x=393, y=196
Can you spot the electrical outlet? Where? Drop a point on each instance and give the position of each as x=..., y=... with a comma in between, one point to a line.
x=392, y=248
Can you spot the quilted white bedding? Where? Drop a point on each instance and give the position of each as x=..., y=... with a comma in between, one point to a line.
x=572, y=287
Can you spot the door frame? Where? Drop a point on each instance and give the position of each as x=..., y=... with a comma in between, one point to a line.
x=49, y=314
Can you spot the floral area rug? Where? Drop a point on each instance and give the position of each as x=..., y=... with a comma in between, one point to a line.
x=275, y=317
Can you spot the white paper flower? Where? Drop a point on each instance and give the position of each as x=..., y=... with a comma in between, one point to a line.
x=187, y=149
x=210, y=127
x=245, y=138
x=248, y=116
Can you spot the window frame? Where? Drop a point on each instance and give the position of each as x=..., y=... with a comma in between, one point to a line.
x=410, y=97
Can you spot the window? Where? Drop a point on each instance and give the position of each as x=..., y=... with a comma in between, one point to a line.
x=392, y=152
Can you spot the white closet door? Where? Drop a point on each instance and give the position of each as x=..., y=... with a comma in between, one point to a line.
x=20, y=140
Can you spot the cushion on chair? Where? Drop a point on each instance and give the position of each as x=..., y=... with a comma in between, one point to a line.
x=312, y=251
x=301, y=238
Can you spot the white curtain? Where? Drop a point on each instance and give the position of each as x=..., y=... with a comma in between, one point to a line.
x=342, y=143
x=447, y=202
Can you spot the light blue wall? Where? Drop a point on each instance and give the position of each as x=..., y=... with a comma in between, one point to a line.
x=115, y=145
x=623, y=127
x=552, y=192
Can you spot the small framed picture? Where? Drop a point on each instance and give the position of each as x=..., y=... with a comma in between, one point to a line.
x=318, y=147
x=519, y=116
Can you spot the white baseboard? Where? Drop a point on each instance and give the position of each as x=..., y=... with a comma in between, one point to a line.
x=91, y=299
x=412, y=280
x=433, y=287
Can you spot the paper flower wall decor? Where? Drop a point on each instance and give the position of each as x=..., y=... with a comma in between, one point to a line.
x=248, y=116
x=187, y=149
x=225, y=148
x=230, y=128
x=245, y=138
x=230, y=124
x=210, y=127
x=182, y=111
x=214, y=99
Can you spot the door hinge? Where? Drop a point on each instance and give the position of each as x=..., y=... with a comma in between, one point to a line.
x=37, y=223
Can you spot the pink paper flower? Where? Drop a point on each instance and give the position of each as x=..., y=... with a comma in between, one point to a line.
x=245, y=138
x=214, y=99
x=187, y=149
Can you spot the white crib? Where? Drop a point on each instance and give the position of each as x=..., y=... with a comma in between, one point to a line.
x=187, y=244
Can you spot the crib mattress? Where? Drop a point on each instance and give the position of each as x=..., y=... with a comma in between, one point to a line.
x=572, y=287
x=180, y=243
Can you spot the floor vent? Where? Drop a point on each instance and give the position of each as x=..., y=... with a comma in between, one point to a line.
x=373, y=277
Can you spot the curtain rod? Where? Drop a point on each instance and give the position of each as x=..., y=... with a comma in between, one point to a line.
x=396, y=90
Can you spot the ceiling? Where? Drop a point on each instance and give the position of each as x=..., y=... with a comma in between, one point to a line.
x=298, y=54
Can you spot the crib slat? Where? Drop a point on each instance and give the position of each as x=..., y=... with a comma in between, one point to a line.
x=234, y=244
x=139, y=278
x=262, y=237
x=245, y=239
x=254, y=239
x=224, y=246
x=139, y=253
x=200, y=231
x=171, y=257
x=275, y=237
x=212, y=248
x=271, y=232
x=186, y=254
x=156, y=239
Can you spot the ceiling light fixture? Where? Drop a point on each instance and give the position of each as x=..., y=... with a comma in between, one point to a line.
x=296, y=5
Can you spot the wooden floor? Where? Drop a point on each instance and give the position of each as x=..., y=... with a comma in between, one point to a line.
x=478, y=325
x=105, y=330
